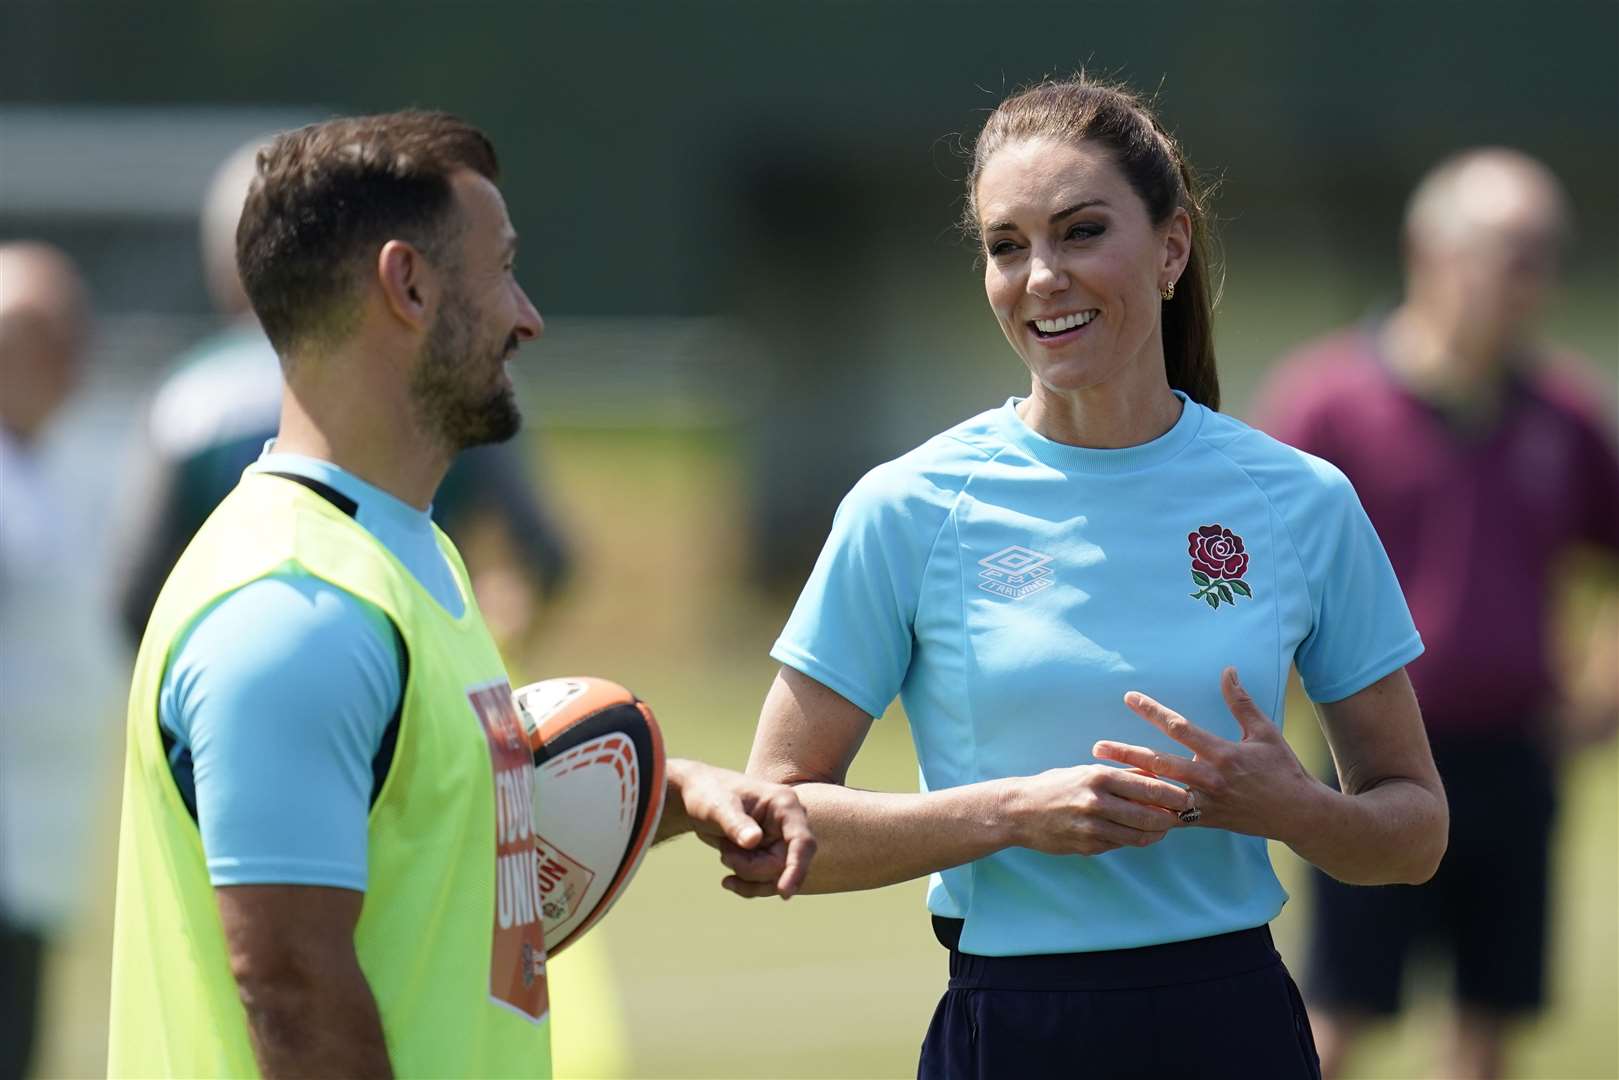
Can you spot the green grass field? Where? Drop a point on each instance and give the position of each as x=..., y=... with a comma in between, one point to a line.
x=685, y=980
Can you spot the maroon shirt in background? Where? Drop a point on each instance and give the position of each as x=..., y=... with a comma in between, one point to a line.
x=1474, y=522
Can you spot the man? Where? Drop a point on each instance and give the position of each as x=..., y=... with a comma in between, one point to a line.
x=213, y=413
x=54, y=680
x=1482, y=462
x=307, y=865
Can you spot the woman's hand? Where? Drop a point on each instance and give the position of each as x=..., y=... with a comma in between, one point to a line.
x=1256, y=786
x=1089, y=809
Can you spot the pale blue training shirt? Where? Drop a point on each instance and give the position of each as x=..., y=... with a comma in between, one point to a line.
x=1010, y=590
x=278, y=700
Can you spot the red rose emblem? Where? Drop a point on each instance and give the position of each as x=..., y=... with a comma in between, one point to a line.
x=1217, y=552
x=1219, y=561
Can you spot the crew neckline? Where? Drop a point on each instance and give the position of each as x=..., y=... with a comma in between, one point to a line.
x=1085, y=459
x=375, y=507
x=373, y=498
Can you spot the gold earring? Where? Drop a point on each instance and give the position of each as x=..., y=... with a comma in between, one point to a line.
x=1169, y=291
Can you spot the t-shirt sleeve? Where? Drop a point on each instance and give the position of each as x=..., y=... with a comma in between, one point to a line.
x=281, y=693
x=852, y=628
x=1362, y=628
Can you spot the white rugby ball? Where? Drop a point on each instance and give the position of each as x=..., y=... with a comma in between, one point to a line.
x=598, y=796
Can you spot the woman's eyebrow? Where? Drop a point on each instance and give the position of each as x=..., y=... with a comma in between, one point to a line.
x=1083, y=204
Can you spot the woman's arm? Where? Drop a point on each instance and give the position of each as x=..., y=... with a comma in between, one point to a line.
x=1388, y=825
x=808, y=735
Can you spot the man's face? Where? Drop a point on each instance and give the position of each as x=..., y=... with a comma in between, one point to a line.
x=461, y=386
x=1494, y=271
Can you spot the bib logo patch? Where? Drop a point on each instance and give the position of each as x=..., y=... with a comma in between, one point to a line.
x=1219, y=560
x=1015, y=572
x=517, y=951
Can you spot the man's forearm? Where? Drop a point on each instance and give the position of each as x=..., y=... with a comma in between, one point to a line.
x=674, y=820
x=321, y=1023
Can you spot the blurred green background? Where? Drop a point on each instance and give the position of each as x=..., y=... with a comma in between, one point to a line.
x=738, y=220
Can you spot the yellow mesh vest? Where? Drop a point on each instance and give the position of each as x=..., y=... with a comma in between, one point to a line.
x=449, y=938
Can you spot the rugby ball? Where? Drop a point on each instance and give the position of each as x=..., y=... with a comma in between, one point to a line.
x=598, y=796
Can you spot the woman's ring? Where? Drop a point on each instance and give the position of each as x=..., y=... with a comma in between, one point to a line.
x=1191, y=815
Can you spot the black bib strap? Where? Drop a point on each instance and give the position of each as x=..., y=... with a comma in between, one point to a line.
x=325, y=491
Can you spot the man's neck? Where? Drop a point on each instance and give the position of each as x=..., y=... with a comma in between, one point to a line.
x=1444, y=366
x=365, y=436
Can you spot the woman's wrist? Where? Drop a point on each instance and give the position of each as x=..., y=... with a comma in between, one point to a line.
x=1005, y=820
x=1311, y=817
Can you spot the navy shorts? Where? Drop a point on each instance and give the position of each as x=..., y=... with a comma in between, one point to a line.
x=1484, y=911
x=1213, y=1007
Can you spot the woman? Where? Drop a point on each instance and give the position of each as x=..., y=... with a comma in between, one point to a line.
x=1071, y=583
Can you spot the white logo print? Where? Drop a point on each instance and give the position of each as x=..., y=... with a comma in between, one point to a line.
x=1015, y=572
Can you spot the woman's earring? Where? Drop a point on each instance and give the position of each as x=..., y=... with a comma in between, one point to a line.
x=1169, y=291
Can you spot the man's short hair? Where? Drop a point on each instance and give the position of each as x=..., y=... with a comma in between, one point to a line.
x=328, y=196
x=1455, y=197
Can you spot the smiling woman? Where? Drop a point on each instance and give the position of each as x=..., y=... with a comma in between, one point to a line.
x=1021, y=582
x=1088, y=190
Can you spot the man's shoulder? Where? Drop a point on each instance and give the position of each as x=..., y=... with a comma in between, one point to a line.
x=1343, y=361
x=1566, y=386
x=1316, y=389
x=298, y=624
x=291, y=605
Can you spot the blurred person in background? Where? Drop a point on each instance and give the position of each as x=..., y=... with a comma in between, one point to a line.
x=1022, y=582
x=220, y=404
x=312, y=839
x=1483, y=458
x=54, y=679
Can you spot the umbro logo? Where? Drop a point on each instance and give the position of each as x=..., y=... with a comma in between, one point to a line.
x=1015, y=572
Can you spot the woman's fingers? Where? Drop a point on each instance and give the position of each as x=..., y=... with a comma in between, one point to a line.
x=1131, y=815
x=1105, y=833
x=1172, y=723
x=750, y=890
x=1141, y=786
x=1089, y=809
x=1189, y=772
x=1250, y=717
x=763, y=864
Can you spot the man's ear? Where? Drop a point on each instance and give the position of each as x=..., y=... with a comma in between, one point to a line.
x=407, y=283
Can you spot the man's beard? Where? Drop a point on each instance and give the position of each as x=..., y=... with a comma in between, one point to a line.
x=459, y=415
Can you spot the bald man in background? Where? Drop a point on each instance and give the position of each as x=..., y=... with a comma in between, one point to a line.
x=52, y=678
x=1483, y=457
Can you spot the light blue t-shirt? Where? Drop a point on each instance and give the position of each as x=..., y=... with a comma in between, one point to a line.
x=1011, y=589
x=278, y=700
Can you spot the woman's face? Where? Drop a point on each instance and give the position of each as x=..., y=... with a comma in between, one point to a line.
x=1073, y=265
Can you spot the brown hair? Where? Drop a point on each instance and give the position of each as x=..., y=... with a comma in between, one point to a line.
x=1081, y=109
x=326, y=197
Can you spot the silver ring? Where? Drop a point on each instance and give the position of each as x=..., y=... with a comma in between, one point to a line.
x=1191, y=815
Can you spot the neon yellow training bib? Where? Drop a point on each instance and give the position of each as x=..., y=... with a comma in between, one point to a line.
x=449, y=938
